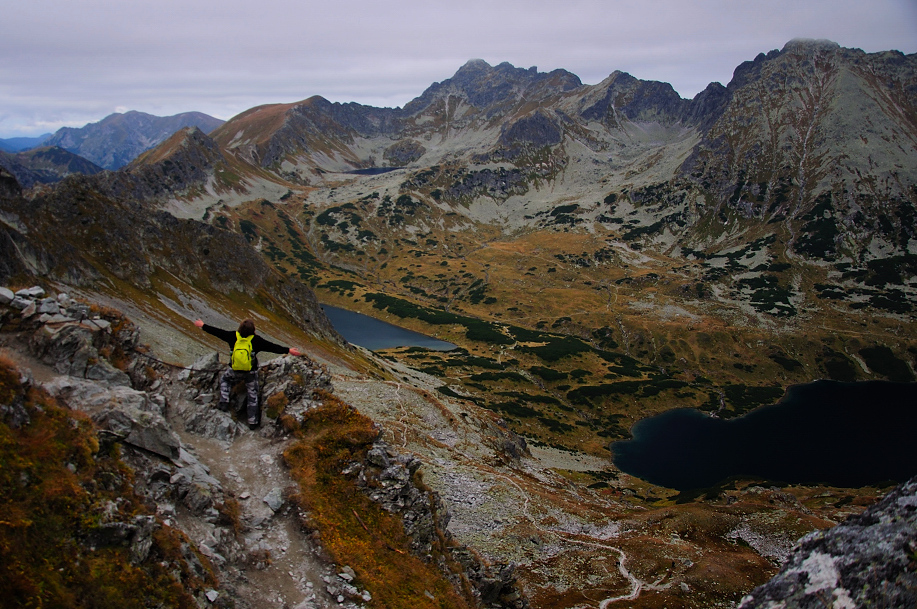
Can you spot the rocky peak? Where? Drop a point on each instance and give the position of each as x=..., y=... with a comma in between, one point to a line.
x=186, y=160
x=809, y=45
x=485, y=86
x=623, y=96
x=472, y=69
x=707, y=106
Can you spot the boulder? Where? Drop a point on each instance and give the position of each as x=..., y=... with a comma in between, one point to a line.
x=274, y=499
x=49, y=306
x=212, y=423
x=20, y=303
x=296, y=377
x=127, y=413
x=31, y=293
x=71, y=349
x=203, y=372
x=867, y=561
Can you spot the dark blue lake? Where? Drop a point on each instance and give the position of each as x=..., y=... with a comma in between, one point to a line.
x=374, y=334
x=373, y=171
x=839, y=434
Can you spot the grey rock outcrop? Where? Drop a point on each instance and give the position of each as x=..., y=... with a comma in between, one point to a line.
x=67, y=336
x=868, y=561
x=73, y=348
x=130, y=415
x=388, y=478
x=403, y=152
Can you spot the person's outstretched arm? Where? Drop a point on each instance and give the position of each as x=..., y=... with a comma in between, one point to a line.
x=225, y=335
x=261, y=344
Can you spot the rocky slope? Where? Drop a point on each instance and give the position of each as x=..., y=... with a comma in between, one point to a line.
x=81, y=237
x=202, y=473
x=867, y=561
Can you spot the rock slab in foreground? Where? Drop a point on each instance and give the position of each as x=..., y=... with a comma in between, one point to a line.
x=869, y=560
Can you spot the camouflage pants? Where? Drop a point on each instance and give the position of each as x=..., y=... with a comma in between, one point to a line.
x=230, y=378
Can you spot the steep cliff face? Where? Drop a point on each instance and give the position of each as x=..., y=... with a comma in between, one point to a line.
x=814, y=120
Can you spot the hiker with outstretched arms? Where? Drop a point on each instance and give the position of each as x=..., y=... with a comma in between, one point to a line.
x=244, y=345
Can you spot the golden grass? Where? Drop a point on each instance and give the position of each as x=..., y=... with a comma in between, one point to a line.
x=52, y=499
x=354, y=530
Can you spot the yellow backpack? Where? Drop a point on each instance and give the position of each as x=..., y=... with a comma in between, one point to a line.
x=242, y=353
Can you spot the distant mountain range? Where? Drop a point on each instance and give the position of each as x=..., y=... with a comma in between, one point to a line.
x=109, y=144
x=17, y=144
x=117, y=139
x=45, y=165
x=815, y=137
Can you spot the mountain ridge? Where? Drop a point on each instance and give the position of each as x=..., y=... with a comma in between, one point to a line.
x=118, y=138
x=18, y=144
x=45, y=165
x=599, y=253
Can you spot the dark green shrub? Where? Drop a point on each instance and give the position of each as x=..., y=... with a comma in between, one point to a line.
x=548, y=374
x=883, y=361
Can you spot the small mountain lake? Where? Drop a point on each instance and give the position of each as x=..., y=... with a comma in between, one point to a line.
x=826, y=432
x=374, y=334
x=373, y=171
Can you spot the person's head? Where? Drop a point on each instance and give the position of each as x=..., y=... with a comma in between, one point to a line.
x=246, y=328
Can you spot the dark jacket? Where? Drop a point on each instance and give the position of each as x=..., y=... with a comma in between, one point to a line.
x=258, y=344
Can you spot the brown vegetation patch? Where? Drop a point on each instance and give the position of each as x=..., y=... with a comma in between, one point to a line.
x=57, y=495
x=350, y=527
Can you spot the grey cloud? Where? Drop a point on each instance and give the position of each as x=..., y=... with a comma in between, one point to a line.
x=71, y=63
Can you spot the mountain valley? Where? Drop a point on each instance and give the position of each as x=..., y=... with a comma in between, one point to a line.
x=599, y=253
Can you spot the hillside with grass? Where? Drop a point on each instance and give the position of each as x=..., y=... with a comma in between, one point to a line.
x=598, y=253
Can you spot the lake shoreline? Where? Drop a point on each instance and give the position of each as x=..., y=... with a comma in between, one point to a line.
x=825, y=432
x=374, y=334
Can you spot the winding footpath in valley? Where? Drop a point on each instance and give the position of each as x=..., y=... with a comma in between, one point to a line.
x=409, y=413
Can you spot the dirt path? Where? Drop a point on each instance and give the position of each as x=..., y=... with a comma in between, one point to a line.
x=282, y=571
x=279, y=567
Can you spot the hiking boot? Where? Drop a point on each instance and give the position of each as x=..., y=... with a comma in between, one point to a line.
x=224, y=406
x=254, y=424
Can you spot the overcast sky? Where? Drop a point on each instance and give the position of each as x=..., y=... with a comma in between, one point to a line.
x=68, y=63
